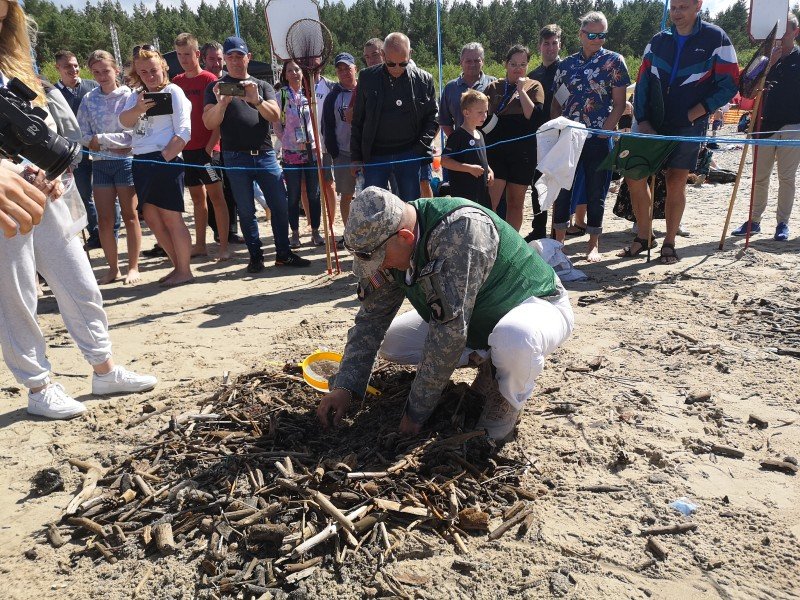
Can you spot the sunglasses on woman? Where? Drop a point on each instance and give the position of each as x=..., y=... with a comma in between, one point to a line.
x=137, y=49
x=367, y=254
x=392, y=65
x=595, y=36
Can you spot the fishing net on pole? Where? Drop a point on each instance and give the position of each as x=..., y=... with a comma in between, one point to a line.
x=309, y=44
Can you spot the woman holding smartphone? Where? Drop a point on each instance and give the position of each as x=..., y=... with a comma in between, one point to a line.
x=112, y=177
x=161, y=128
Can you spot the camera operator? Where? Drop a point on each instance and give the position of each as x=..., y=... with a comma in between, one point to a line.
x=58, y=259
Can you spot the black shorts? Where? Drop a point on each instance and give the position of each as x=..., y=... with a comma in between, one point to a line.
x=514, y=163
x=158, y=182
x=204, y=175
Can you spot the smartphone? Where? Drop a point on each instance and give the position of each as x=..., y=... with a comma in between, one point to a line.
x=162, y=106
x=230, y=88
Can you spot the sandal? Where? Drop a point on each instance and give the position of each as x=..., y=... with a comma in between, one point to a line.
x=628, y=252
x=668, y=254
x=576, y=230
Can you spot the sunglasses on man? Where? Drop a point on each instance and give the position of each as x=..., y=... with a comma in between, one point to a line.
x=137, y=49
x=595, y=36
x=367, y=254
x=392, y=65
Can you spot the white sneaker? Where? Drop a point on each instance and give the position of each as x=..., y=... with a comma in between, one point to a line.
x=54, y=403
x=119, y=381
x=498, y=418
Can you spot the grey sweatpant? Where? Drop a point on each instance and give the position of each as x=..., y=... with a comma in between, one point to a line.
x=67, y=271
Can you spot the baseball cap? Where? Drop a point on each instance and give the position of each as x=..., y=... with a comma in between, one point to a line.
x=234, y=44
x=375, y=215
x=344, y=57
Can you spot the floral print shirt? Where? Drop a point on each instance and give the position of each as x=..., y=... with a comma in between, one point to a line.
x=589, y=83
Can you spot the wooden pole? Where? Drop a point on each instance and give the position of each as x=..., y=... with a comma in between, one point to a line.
x=649, y=235
x=330, y=239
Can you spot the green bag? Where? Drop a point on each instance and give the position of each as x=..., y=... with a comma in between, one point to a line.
x=636, y=157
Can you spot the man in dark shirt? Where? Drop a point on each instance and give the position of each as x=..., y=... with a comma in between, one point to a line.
x=549, y=47
x=394, y=120
x=73, y=88
x=782, y=115
x=244, y=123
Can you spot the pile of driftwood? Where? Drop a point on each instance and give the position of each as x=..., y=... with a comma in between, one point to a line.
x=253, y=490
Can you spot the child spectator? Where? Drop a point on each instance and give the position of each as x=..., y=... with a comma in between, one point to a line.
x=465, y=152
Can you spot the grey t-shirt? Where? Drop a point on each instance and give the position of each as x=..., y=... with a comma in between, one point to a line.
x=340, y=105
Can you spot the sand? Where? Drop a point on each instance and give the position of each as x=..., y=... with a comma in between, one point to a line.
x=627, y=423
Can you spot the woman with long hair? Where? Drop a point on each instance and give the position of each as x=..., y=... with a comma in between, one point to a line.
x=60, y=259
x=157, y=167
x=112, y=177
x=296, y=132
x=515, y=111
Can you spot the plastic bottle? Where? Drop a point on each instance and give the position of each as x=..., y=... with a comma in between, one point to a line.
x=359, y=182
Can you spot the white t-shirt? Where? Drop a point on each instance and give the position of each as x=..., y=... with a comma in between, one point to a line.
x=152, y=134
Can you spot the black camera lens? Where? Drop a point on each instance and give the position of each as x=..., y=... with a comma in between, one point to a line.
x=54, y=155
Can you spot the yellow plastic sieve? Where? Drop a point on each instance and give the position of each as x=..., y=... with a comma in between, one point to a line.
x=317, y=377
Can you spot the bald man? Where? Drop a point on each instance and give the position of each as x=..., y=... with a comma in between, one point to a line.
x=394, y=120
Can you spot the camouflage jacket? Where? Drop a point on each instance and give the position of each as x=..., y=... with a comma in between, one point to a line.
x=463, y=247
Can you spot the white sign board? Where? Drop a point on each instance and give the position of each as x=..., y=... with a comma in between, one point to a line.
x=763, y=16
x=282, y=14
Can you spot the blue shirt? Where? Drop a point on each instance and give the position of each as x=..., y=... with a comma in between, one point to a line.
x=450, y=106
x=680, y=42
x=589, y=83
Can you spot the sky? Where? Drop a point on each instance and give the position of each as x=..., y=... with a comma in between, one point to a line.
x=713, y=6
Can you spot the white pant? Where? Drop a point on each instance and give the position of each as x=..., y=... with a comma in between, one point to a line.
x=66, y=269
x=518, y=343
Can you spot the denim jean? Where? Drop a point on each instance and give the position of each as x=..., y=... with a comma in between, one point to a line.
x=229, y=202
x=266, y=172
x=294, y=175
x=379, y=170
x=83, y=181
x=596, y=181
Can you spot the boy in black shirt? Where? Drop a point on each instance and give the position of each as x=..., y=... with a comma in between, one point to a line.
x=465, y=152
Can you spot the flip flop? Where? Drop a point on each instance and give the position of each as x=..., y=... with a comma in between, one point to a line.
x=580, y=230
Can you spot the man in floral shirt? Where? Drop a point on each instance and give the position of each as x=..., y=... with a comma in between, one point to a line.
x=589, y=87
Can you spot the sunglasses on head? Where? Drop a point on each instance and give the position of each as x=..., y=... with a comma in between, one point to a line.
x=595, y=36
x=392, y=65
x=367, y=254
x=137, y=49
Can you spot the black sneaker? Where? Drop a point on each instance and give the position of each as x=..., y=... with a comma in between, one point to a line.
x=235, y=238
x=292, y=260
x=154, y=252
x=256, y=265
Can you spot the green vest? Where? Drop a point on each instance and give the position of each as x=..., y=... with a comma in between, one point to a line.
x=518, y=273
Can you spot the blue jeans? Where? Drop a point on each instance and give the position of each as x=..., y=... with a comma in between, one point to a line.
x=266, y=172
x=83, y=181
x=294, y=174
x=596, y=185
x=405, y=173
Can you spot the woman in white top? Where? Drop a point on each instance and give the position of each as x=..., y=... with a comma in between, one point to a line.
x=157, y=167
x=112, y=178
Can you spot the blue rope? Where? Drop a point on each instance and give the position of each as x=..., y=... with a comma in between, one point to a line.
x=611, y=134
x=439, y=48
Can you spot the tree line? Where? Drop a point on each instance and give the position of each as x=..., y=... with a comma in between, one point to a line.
x=497, y=25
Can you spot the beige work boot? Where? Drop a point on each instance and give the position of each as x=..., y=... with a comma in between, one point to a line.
x=498, y=418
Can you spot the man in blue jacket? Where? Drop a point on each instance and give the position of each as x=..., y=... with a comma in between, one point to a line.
x=687, y=73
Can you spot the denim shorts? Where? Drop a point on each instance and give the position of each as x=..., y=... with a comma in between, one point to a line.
x=684, y=156
x=109, y=173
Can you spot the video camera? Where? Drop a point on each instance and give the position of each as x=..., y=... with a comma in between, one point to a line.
x=24, y=134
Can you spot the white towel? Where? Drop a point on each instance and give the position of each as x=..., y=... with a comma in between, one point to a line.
x=559, y=143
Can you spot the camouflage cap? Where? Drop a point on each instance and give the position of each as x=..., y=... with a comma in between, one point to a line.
x=375, y=214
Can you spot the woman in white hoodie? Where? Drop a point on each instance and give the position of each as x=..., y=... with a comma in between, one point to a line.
x=112, y=178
